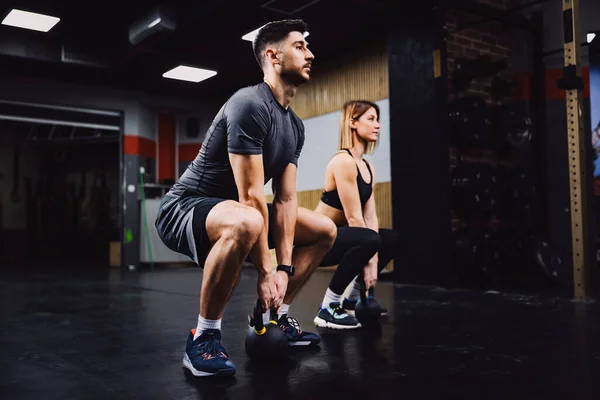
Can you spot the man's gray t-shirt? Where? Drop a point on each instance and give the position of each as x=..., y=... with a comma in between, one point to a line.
x=250, y=122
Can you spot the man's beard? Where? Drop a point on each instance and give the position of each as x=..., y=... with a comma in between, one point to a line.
x=292, y=76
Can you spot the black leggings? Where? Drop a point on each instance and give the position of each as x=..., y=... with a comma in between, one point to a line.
x=352, y=250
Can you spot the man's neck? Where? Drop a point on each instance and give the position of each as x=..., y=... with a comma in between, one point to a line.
x=283, y=91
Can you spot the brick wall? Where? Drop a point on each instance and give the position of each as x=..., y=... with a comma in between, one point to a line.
x=486, y=38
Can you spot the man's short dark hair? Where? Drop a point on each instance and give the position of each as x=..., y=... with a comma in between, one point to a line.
x=274, y=32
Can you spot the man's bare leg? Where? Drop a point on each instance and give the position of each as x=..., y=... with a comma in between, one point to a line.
x=233, y=228
x=314, y=237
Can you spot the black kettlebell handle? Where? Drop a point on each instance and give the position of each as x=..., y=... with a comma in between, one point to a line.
x=259, y=326
x=363, y=289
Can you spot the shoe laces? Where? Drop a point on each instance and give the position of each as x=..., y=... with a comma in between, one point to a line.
x=291, y=322
x=337, y=309
x=294, y=322
x=211, y=344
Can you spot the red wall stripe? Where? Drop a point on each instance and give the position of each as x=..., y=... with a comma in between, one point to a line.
x=139, y=146
x=523, y=90
x=188, y=151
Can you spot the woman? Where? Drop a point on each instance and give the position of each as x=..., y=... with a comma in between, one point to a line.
x=361, y=249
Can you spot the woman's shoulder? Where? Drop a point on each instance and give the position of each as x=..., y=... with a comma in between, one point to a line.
x=342, y=162
x=341, y=158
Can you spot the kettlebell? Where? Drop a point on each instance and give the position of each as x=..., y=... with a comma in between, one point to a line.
x=265, y=343
x=368, y=310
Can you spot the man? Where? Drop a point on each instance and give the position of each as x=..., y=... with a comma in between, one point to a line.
x=217, y=214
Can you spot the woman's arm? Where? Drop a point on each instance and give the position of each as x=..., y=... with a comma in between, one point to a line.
x=372, y=222
x=345, y=173
x=370, y=211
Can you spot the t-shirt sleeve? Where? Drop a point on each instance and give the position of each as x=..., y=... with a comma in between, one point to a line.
x=299, y=147
x=248, y=120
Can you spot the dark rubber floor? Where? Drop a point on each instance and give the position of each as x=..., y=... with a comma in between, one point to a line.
x=121, y=336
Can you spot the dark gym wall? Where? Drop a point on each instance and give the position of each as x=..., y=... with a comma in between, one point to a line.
x=487, y=38
x=57, y=196
x=139, y=142
x=547, y=155
x=472, y=38
x=556, y=178
x=419, y=90
x=419, y=144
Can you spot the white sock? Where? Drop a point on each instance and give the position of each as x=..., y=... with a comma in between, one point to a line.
x=353, y=290
x=266, y=317
x=204, y=324
x=330, y=297
x=284, y=309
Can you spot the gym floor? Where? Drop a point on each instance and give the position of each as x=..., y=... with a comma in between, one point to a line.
x=121, y=335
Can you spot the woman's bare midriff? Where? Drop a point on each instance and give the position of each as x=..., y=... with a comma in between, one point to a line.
x=337, y=216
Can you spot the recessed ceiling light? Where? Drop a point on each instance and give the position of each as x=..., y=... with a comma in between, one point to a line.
x=590, y=37
x=30, y=20
x=251, y=35
x=190, y=74
x=153, y=23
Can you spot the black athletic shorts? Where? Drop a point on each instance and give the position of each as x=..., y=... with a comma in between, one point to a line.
x=181, y=225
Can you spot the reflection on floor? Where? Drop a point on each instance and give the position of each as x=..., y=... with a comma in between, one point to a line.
x=121, y=335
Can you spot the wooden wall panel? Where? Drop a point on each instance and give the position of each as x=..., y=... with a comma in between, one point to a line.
x=363, y=75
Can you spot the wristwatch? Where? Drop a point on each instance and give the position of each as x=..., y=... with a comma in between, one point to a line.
x=287, y=268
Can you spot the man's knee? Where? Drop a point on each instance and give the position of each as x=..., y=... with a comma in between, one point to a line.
x=247, y=227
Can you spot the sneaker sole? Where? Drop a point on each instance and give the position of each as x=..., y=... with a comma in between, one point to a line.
x=352, y=313
x=303, y=343
x=321, y=323
x=188, y=364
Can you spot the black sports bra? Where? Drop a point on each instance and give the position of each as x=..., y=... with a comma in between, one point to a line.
x=332, y=198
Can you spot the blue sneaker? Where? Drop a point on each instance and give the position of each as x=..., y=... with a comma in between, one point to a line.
x=335, y=317
x=291, y=327
x=295, y=335
x=206, y=356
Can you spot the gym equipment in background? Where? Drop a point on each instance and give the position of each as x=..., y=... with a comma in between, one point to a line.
x=475, y=190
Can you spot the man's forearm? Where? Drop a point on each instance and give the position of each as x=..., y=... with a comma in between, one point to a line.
x=284, y=226
x=261, y=258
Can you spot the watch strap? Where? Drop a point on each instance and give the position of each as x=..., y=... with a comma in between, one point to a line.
x=287, y=268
